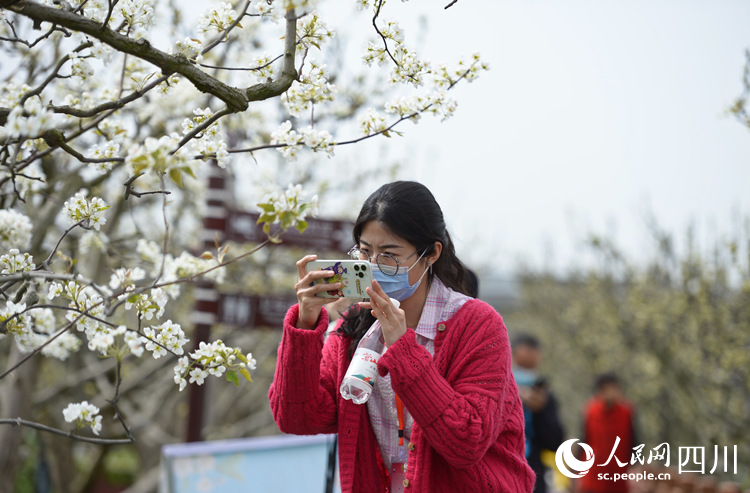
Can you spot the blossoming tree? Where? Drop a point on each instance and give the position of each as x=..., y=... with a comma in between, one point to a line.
x=108, y=113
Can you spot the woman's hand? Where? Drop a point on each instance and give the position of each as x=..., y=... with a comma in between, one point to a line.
x=309, y=304
x=392, y=319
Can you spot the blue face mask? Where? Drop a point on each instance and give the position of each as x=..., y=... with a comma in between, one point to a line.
x=524, y=377
x=398, y=287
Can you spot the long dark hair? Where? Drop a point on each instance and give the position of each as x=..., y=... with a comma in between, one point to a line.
x=409, y=210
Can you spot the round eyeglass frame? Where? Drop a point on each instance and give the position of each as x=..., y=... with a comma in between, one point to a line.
x=357, y=254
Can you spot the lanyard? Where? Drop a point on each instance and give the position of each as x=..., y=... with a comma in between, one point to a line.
x=400, y=412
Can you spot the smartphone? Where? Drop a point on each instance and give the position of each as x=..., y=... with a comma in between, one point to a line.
x=354, y=275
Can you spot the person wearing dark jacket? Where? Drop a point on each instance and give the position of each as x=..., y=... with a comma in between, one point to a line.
x=542, y=425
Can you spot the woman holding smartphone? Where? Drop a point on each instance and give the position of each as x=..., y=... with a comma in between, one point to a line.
x=444, y=415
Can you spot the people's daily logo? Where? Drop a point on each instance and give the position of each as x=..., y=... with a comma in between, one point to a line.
x=567, y=462
x=689, y=459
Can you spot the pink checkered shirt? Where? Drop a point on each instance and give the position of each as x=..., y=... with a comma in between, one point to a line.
x=441, y=304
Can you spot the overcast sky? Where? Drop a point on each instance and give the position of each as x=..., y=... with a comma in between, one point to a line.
x=594, y=113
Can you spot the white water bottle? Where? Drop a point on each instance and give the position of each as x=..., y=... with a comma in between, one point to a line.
x=363, y=370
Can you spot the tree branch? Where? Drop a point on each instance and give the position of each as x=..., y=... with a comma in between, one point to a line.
x=358, y=139
x=110, y=105
x=38, y=90
x=236, y=99
x=141, y=48
x=259, y=92
x=67, y=434
x=222, y=36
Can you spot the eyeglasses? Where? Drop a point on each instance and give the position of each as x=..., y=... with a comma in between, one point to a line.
x=387, y=263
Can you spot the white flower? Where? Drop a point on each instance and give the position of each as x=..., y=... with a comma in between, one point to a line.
x=191, y=48
x=251, y=363
x=213, y=358
x=91, y=240
x=148, y=250
x=198, y=375
x=84, y=414
x=167, y=336
x=409, y=68
x=30, y=119
x=101, y=340
x=147, y=304
x=289, y=207
x=15, y=230
x=372, y=122
x=106, y=150
x=81, y=69
x=155, y=155
x=217, y=19
x=138, y=14
x=264, y=68
x=464, y=69
x=180, y=370
x=126, y=278
x=14, y=261
x=317, y=140
x=312, y=31
x=264, y=8
x=135, y=343
x=311, y=88
x=88, y=212
x=15, y=317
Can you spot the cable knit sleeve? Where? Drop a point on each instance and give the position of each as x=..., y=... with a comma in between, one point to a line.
x=303, y=392
x=461, y=412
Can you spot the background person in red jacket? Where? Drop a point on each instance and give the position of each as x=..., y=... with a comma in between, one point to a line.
x=448, y=360
x=607, y=416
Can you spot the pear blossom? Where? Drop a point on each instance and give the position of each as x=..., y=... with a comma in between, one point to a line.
x=148, y=304
x=15, y=230
x=15, y=261
x=311, y=88
x=15, y=318
x=84, y=414
x=106, y=150
x=125, y=279
x=165, y=337
x=191, y=48
x=372, y=122
x=218, y=18
x=88, y=212
x=30, y=119
x=214, y=358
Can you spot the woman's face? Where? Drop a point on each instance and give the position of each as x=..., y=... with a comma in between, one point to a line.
x=376, y=239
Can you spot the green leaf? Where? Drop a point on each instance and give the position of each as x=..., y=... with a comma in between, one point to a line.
x=286, y=219
x=266, y=218
x=189, y=171
x=232, y=377
x=267, y=207
x=176, y=175
x=301, y=226
x=246, y=374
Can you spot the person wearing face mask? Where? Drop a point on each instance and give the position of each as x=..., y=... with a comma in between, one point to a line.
x=543, y=429
x=445, y=383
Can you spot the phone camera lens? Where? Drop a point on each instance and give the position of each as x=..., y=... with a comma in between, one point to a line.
x=356, y=267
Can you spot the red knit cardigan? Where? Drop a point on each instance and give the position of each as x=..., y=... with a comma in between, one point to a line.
x=468, y=420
